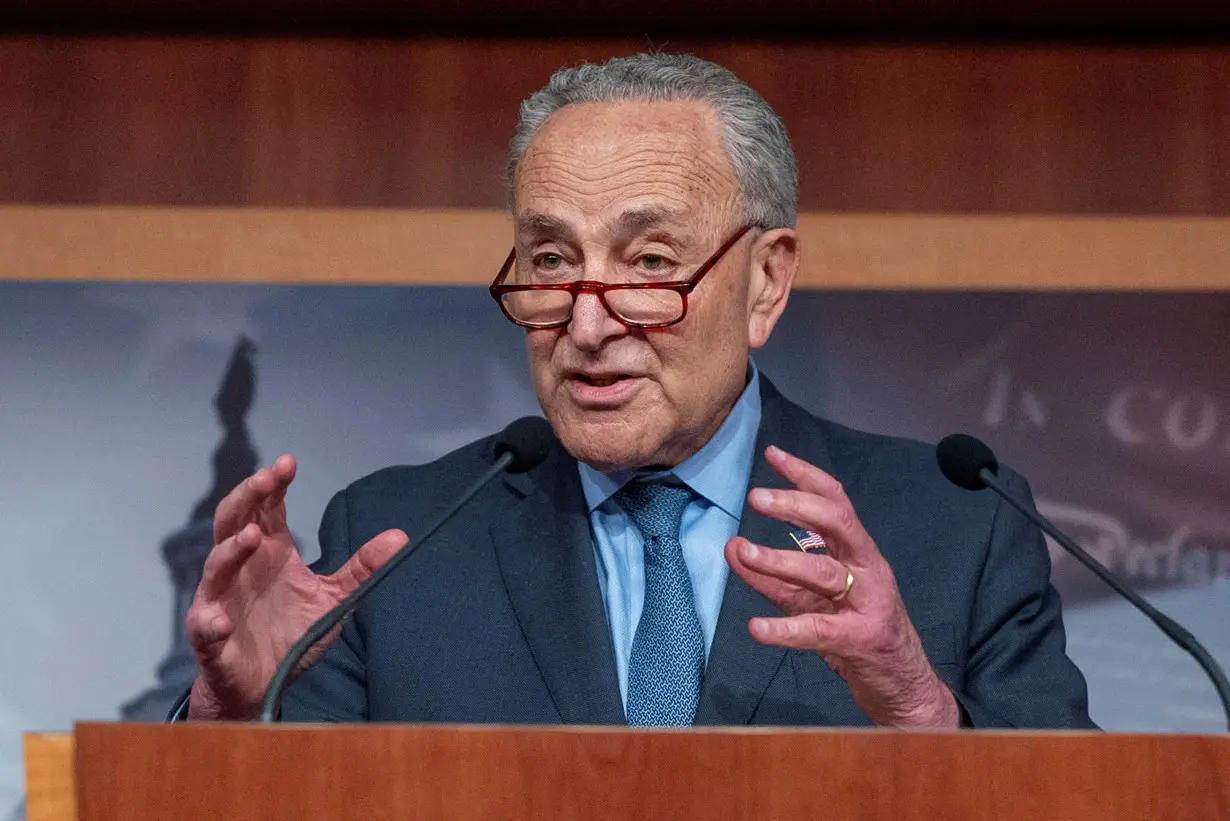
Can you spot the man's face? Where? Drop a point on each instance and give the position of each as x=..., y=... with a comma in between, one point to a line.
x=644, y=187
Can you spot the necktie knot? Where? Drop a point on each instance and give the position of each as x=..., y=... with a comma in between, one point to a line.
x=655, y=509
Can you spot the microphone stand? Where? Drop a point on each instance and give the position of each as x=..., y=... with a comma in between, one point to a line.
x=271, y=705
x=1167, y=625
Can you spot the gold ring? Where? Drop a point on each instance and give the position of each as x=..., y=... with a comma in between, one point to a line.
x=849, y=584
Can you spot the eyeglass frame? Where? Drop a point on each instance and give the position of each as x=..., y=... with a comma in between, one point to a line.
x=682, y=287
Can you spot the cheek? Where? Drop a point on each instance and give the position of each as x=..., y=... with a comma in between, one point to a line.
x=721, y=324
x=540, y=345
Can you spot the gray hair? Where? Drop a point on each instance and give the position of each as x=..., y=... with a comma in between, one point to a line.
x=756, y=141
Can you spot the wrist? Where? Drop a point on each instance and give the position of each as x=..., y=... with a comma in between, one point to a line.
x=205, y=705
x=938, y=710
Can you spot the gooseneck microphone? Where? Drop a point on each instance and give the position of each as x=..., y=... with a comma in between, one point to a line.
x=970, y=464
x=522, y=445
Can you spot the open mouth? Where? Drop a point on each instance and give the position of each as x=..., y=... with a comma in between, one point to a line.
x=601, y=381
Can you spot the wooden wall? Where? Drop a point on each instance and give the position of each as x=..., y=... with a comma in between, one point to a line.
x=910, y=129
x=362, y=123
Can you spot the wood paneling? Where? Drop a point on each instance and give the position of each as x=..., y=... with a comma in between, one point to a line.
x=466, y=247
x=138, y=772
x=50, y=789
x=425, y=122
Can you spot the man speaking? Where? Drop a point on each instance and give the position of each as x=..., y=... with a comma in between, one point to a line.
x=696, y=549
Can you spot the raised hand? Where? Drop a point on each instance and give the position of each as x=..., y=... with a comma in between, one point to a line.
x=844, y=605
x=257, y=597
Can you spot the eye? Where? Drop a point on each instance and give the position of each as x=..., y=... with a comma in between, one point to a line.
x=548, y=262
x=653, y=262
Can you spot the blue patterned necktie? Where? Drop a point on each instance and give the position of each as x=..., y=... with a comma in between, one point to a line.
x=668, y=650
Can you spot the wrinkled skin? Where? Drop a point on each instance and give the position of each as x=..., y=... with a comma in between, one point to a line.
x=622, y=189
x=647, y=187
x=865, y=635
x=256, y=597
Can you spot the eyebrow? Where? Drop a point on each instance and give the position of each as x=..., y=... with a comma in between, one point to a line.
x=538, y=224
x=642, y=219
x=632, y=221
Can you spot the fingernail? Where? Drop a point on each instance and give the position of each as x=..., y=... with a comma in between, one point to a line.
x=760, y=626
x=750, y=551
x=774, y=450
x=761, y=497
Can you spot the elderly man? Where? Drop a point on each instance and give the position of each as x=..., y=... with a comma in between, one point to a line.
x=654, y=208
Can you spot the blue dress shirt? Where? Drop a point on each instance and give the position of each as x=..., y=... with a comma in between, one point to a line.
x=718, y=474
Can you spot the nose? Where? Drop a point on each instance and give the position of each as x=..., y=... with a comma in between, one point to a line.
x=591, y=324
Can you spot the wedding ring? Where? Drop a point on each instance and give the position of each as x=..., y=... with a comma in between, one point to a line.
x=849, y=584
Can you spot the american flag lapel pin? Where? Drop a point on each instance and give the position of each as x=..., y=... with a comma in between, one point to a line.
x=806, y=540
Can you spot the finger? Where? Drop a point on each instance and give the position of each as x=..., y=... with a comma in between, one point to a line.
x=238, y=507
x=284, y=470
x=368, y=559
x=835, y=520
x=224, y=562
x=207, y=626
x=787, y=596
x=242, y=503
x=809, y=631
x=804, y=475
x=821, y=574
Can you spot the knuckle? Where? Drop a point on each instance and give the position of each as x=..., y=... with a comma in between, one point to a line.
x=834, y=574
x=196, y=623
x=883, y=642
x=822, y=568
x=846, y=519
x=770, y=563
x=818, y=632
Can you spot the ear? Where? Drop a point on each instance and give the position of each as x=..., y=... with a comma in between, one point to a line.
x=775, y=261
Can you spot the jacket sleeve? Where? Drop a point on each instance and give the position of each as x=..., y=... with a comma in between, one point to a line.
x=335, y=687
x=1018, y=673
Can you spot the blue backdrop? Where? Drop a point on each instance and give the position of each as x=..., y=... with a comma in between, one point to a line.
x=1117, y=407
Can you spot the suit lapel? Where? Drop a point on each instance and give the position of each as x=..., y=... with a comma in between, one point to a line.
x=740, y=668
x=545, y=552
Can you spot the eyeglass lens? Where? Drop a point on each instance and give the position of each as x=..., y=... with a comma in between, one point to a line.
x=644, y=306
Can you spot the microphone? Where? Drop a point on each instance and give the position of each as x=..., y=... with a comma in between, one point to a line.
x=970, y=464
x=521, y=446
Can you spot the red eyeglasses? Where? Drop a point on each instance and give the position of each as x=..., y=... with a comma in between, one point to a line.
x=636, y=304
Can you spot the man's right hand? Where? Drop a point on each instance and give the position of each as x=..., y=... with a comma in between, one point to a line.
x=257, y=597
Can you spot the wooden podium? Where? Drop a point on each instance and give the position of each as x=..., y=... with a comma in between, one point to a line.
x=228, y=772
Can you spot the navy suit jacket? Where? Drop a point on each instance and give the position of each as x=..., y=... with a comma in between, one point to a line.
x=499, y=618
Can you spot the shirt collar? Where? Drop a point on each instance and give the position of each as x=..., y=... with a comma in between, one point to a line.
x=718, y=472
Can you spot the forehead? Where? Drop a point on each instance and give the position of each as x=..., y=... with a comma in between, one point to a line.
x=602, y=159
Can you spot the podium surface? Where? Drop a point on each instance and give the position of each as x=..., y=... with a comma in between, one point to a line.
x=235, y=772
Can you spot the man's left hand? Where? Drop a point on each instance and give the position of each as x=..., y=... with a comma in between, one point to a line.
x=860, y=627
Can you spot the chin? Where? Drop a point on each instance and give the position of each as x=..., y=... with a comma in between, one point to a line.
x=608, y=442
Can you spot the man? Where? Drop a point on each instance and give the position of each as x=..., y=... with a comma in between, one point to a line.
x=598, y=588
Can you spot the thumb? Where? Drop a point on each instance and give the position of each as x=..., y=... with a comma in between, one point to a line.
x=369, y=558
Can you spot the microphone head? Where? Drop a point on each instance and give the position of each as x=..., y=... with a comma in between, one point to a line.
x=528, y=440
x=962, y=457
